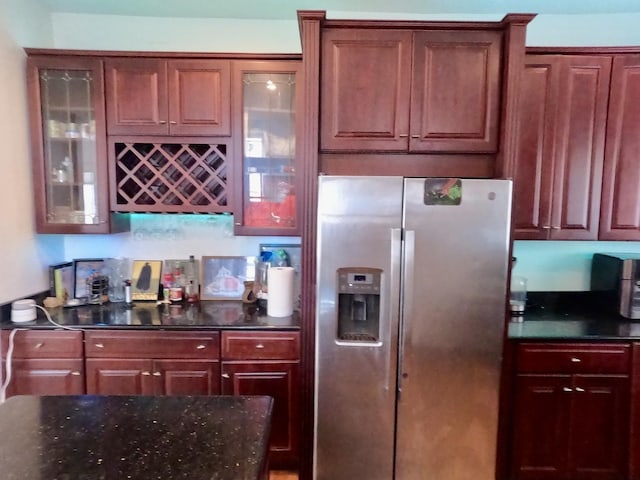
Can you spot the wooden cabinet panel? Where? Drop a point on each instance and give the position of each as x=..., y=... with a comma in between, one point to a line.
x=45, y=362
x=186, y=377
x=558, y=166
x=399, y=90
x=119, y=377
x=571, y=419
x=541, y=427
x=149, y=344
x=277, y=379
x=154, y=96
x=199, y=97
x=455, y=96
x=366, y=80
x=260, y=345
x=136, y=90
x=51, y=376
x=620, y=213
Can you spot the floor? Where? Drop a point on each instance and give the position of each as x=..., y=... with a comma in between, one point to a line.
x=280, y=475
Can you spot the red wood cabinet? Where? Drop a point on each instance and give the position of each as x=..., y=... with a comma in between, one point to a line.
x=152, y=363
x=398, y=90
x=45, y=362
x=571, y=412
x=560, y=150
x=620, y=212
x=154, y=96
x=259, y=363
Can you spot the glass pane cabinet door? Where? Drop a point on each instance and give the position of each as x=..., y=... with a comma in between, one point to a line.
x=69, y=146
x=270, y=173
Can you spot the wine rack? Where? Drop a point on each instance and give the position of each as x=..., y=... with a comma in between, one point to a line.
x=170, y=177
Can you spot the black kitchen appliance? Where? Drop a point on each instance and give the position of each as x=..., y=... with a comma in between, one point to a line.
x=617, y=276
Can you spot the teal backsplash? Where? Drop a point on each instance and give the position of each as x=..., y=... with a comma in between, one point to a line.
x=551, y=266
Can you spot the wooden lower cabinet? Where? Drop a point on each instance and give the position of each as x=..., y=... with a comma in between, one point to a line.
x=152, y=377
x=267, y=363
x=571, y=412
x=153, y=363
x=44, y=363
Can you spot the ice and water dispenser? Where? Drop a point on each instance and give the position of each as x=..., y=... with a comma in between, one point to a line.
x=359, y=304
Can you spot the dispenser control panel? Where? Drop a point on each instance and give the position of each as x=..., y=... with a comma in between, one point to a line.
x=359, y=280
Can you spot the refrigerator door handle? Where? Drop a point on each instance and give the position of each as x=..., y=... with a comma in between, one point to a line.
x=394, y=303
x=406, y=301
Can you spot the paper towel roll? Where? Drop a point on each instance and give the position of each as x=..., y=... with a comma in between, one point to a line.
x=280, y=298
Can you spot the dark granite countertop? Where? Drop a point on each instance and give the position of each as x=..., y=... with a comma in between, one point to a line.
x=211, y=314
x=119, y=437
x=571, y=316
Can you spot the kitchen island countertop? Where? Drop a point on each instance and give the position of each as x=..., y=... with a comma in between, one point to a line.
x=119, y=437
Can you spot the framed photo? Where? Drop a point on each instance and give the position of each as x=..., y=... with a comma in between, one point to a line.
x=84, y=269
x=223, y=278
x=61, y=281
x=145, y=279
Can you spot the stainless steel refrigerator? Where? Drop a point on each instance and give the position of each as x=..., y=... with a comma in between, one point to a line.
x=411, y=293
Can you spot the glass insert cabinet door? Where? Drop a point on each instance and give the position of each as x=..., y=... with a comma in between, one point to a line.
x=68, y=145
x=269, y=100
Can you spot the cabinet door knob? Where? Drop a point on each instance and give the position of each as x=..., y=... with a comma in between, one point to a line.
x=173, y=122
x=157, y=374
x=99, y=345
x=200, y=347
x=146, y=373
x=567, y=389
x=403, y=135
x=225, y=375
x=260, y=345
x=39, y=345
x=415, y=136
x=578, y=389
x=77, y=374
x=162, y=122
x=575, y=360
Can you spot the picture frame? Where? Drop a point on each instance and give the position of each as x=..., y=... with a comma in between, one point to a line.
x=222, y=278
x=61, y=281
x=145, y=279
x=83, y=270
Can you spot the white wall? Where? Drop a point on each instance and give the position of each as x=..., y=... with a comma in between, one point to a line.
x=24, y=255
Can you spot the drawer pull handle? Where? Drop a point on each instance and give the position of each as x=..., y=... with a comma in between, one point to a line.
x=578, y=389
x=39, y=345
x=225, y=375
x=260, y=345
x=575, y=360
x=200, y=347
x=99, y=345
x=173, y=122
x=567, y=389
x=162, y=122
x=157, y=374
x=77, y=374
x=146, y=373
x=403, y=135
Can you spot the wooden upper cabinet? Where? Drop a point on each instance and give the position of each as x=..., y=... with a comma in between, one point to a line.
x=153, y=96
x=402, y=90
x=560, y=150
x=455, y=95
x=620, y=212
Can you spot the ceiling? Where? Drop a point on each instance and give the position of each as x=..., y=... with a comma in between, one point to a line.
x=286, y=9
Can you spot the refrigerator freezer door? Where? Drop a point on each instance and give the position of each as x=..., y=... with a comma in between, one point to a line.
x=359, y=220
x=456, y=259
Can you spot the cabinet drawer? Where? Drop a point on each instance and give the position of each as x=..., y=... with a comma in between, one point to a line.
x=260, y=345
x=44, y=344
x=162, y=344
x=574, y=358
